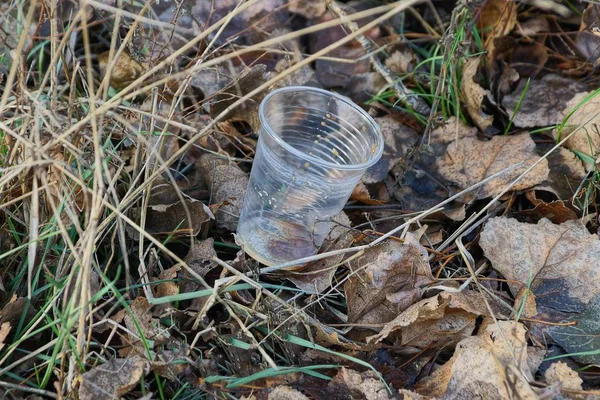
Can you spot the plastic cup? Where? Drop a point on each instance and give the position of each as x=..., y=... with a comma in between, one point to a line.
x=313, y=148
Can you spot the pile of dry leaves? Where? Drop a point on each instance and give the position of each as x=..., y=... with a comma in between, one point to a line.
x=471, y=259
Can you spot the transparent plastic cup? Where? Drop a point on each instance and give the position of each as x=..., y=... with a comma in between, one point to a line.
x=313, y=148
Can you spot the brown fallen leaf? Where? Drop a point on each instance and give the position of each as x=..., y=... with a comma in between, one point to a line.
x=140, y=318
x=492, y=365
x=5, y=328
x=527, y=111
x=443, y=319
x=566, y=172
x=474, y=95
x=558, y=262
x=361, y=193
x=587, y=41
x=355, y=385
x=284, y=392
x=172, y=219
x=559, y=372
x=309, y=9
x=317, y=276
x=126, y=70
x=247, y=111
x=112, y=379
x=497, y=18
x=468, y=160
x=556, y=211
x=386, y=280
x=581, y=115
x=398, y=138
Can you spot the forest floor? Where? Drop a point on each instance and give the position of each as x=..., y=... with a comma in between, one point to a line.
x=466, y=263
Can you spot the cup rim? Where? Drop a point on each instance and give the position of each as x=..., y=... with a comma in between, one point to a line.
x=317, y=161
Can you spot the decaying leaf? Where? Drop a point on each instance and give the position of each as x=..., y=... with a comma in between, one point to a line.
x=112, y=379
x=284, y=392
x=560, y=372
x=556, y=211
x=5, y=328
x=581, y=339
x=356, y=385
x=125, y=71
x=398, y=138
x=308, y=8
x=172, y=219
x=588, y=39
x=524, y=105
x=247, y=111
x=566, y=172
x=317, y=276
x=474, y=95
x=558, y=262
x=468, y=160
x=443, y=319
x=492, y=365
x=582, y=115
x=497, y=17
x=386, y=280
x=140, y=318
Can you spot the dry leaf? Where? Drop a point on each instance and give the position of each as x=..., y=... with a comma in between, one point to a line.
x=529, y=111
x=581, y=339
x=583, y=116
x=386, y=280
x=112, y=379
x=497, y=17
x=247, y=111
x=474, y=95
x=171, y=363
x=172, y=219
x=5, y=328
x=556, y=211
x=560, y=372
x=588, y=39
x=356, y=385
x=443, y=319
x=316, y=276
x=566, y=172
x=558, y=262
x=286, y=393
x=468, y=160
x=309, y=9
x=141, y=319
x=398, y=139
x=487, y=366
x=125, y=71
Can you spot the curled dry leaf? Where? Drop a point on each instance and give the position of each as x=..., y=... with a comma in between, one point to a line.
x=474, y=95
x=497, y=17
x=171, y=219
x=583, y=118
x=492, y=365
x=527, y=111
x=140, y=318
x=468, y=160
x=558, y=262
x=588, y=37
x=556, y=211
x=443, y=319
x=112, y=379
x=386, y=280
x=5, y=328
x=317, y=276
x=582, y=338
x=126, y=69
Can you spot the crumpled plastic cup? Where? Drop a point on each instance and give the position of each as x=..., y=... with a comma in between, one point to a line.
x=314, y=147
